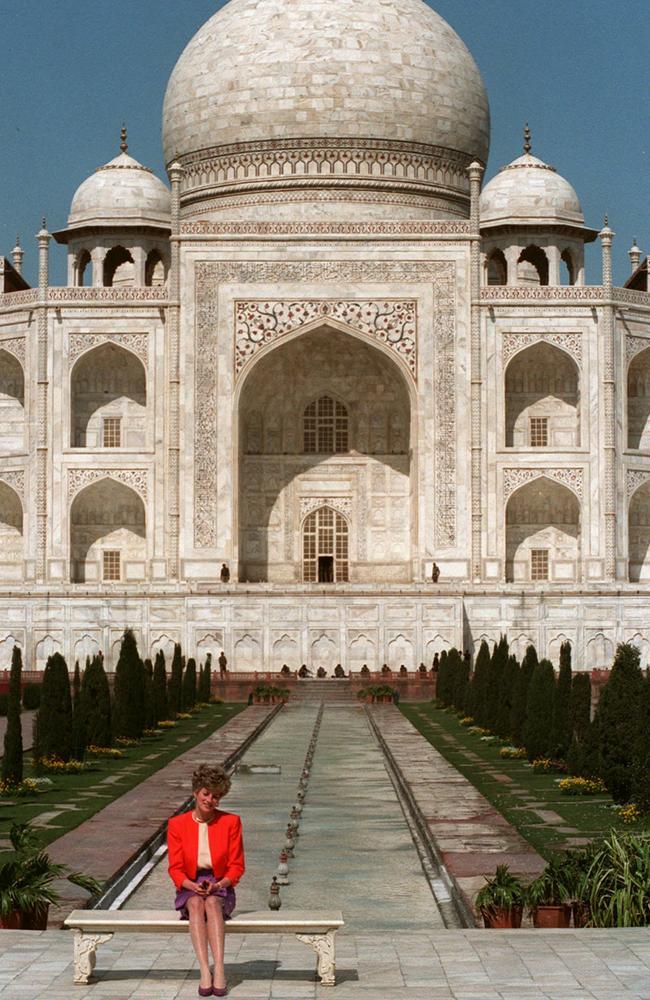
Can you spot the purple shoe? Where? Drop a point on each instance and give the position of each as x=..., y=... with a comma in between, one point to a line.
x=205, y=991
x=219, y=991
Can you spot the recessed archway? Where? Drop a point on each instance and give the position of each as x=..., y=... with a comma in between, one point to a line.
x=12, y=404
x=108, y=399
x=638, y=402
x=639, y=534
x=542, y=533
x=542, y=399
x=107, y=534
x=119, y=268
x=11, y=535
x=532, y=266
x=366, y=470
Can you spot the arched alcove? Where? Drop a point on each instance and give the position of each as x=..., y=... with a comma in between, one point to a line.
x=532, y=267
x=325, y=416
x=154, y=269
x=639, y=534
x=82, y=268
x=497, y=268
x=638, y=402
x=542, y=399
x=567, y=268
x=107, y=534
x=11, y=535
x=325, y=547
x=542, y=533
x=12, y=404
x=119, y=268
x=108, y=399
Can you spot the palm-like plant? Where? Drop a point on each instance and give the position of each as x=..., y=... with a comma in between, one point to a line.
x=619, y=882
x=26, y=880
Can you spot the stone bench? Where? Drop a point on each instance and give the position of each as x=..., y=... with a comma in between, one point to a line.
x=95, y=927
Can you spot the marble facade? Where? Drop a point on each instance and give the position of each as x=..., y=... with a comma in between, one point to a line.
x=490, y=417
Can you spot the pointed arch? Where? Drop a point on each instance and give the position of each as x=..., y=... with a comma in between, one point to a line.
x=542, y=398
x=12, y=403
x=638, y=401
x=542, y=533
x=108, y=398
x=108, y=541
x=11, y=534
x=119, y=267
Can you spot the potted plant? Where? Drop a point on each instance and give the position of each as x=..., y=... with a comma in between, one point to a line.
x=548, y=897
x=26, y=889
x=577, y=866
x=501, y=900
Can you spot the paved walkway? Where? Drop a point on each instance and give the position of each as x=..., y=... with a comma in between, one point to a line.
x=354, y=852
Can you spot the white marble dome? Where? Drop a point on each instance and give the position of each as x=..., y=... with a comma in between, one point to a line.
x=314, y=69
x=530, y=192
x=122, y=191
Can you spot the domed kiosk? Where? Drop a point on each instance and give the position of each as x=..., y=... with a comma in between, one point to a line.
x=532, y=223
x=298, y=100
x=118, y=225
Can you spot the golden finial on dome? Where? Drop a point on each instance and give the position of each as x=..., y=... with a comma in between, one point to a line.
x=527, y=137
x=123, y=143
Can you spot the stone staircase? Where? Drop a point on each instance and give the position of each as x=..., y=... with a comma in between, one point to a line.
x=332, y=690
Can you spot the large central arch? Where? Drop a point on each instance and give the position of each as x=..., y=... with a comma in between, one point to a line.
x=324, y=419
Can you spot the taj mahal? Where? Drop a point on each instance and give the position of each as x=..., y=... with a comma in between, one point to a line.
x=327, y=394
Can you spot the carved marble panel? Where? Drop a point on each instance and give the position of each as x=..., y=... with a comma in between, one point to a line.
x=515, y=342
x=342, y=504
x=15, y=346
x=136, y=479
x=16, y=479
x=393, y=322
x=634, y=479
x=514, y=478
x=137, y=343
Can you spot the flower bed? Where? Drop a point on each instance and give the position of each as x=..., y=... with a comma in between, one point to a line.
x=582, y=786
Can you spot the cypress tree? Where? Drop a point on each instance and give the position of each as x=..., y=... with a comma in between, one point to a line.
x=78, y=723
x=538, y=733
x=54, y=720
x=520, y=696
x=641, y=774
x=580, y=723
x=460, y=680
x=127, y=690
x=160, y=706
x=480, y=683
x=96, y=704
x=618, y=717
x=498, y=663
x=506, y=697
x=562, y=705
x=147, y=687
x=442, y=679
x=207, y=671
x=189, y=685
x=12, y=761
x=174, y=688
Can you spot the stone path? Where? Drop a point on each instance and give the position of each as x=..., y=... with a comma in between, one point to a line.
x=354, y=852
x=472, y=837
x=433, y=965
x=106, y=842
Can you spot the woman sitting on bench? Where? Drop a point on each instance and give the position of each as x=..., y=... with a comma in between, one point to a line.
x=206, y=860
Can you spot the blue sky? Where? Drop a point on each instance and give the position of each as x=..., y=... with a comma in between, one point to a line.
x=577, y=70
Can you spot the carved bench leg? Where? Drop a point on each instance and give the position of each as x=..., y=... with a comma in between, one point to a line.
x=323, y=945
x=85, y=955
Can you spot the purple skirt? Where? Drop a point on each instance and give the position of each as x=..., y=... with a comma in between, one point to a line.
x=227, y=896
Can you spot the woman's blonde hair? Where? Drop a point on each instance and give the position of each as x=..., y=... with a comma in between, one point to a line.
x=212, y=777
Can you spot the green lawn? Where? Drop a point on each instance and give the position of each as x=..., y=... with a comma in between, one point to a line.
x=515, y=789
x=79, y=796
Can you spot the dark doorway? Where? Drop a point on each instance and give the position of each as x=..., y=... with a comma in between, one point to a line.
x=326, y=569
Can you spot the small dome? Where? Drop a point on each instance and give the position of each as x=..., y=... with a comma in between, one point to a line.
x=530, y=192
x=279, y=69
x=121, y=192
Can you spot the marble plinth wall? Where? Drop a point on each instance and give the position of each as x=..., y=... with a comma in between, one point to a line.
x=260, y=629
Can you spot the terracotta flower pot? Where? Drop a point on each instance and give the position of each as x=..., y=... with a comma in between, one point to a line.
x=552, y=916
x=502, y=916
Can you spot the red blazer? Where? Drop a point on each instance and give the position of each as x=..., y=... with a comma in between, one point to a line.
x=226, y=846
